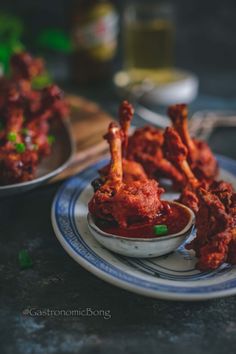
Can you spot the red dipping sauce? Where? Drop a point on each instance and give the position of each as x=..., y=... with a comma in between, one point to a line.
x=175, y=219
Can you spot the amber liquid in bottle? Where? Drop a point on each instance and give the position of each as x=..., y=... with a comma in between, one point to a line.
x=148, y=50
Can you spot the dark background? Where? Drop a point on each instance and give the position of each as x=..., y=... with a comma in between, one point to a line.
x=205, y=36
x=205, y=44
x=205, y=29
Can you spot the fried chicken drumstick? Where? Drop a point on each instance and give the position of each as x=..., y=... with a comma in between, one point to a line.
x=124, y=202
x=127, y=196
x=177, y=153
x=215, y=241
x=200, y=157
x=132, y=171
x=214, y=207
x=25, y=116
x=146, y=147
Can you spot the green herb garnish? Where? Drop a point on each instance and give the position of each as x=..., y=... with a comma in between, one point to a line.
x=51, y=139
x=25, y=260
x=11, y=136
x=20, y=147
x=160, y=230
x=41, y=81
x=25, y=131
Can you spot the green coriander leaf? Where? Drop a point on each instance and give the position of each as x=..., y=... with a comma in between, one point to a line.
x=51, y=139
x=160, y=230
x=11, y=136
x=25, y=131
x=20, y=147
x=25, y=260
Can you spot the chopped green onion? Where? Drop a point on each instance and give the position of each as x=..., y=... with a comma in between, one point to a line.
x=41, y=81
x=25, y=260
x=160, y=230
x=11, y=136
x=51, y=139
x=25, y=131
x=20, y=147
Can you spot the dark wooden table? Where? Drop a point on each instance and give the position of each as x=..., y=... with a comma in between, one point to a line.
x=55, y=282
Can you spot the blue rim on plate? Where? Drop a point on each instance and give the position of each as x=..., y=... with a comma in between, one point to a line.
x=157, y=277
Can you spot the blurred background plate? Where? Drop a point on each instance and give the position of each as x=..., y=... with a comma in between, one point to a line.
x=176, y=86
x=51, y=166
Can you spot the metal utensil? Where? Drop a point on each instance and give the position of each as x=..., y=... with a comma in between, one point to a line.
x=201, y=125
x=157, y=119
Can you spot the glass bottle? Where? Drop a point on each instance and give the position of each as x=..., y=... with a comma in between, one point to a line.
x=94, y=34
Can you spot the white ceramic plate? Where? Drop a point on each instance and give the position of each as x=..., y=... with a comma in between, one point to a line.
x=172, y=276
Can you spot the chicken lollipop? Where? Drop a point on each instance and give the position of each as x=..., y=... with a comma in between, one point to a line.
x=176, y=152
x=16, y=163
x=132, y=171
x=146, y=147
x=215, y=241
x=200, y=157
x=25, y=119
x=24, y=66
x=123, y=202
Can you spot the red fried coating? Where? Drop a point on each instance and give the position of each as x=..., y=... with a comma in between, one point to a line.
x=124, y=202
x=215, y=239
x=210, y=207
x=24, y=66
x=215, y=252
x=176, y=152
x=189, y=198
x=146, y=147
x=16, y=168
x=223, y=190
x=25, y=116
x=14, y=114
x=200, y=157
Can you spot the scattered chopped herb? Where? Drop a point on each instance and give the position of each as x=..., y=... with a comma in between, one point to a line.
x=20, y=147
x=51, y=139
x=160, y=230
x=11, y=136
x=25, y=131
x=41, y=81
x=25, y=260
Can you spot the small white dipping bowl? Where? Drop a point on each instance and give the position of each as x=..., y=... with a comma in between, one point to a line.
x=142, y=247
